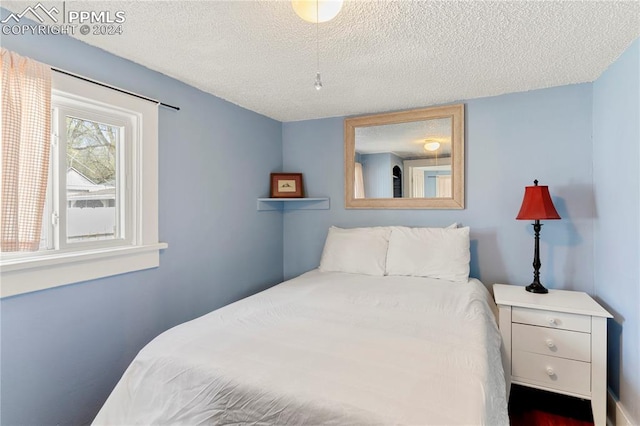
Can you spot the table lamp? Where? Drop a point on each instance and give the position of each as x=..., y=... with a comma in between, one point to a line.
x=537, y=205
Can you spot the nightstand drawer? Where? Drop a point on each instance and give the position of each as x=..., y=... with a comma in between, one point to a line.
x=551, y=319
x=552, y=372
x=552, y=342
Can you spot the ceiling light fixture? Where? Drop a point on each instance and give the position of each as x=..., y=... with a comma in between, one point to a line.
x=432, y=146
x=316, y=11
x=310, y=10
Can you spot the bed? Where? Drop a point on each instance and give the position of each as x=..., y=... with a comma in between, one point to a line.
x=327, y=347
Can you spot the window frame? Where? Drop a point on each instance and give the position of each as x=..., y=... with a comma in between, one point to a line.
x=65, y=107
x=77, y=262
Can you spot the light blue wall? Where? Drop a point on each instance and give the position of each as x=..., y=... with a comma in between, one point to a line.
x=616, y=169
x=377, y=175
x=64, y=349
x=510, y=141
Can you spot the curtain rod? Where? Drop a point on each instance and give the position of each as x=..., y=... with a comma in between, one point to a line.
x=114, y=88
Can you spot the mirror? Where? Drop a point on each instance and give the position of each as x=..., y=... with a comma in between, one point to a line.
x=405, y=160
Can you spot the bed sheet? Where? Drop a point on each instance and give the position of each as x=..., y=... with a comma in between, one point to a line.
x=325, y=348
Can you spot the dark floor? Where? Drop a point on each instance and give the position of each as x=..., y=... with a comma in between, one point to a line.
x=533, y=407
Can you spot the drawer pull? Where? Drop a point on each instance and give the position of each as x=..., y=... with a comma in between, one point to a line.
x=552, y=321
x=550, y=344
x=550, y=372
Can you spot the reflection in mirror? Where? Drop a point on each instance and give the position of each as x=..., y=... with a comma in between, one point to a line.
x=419, y=150
x=411, y=159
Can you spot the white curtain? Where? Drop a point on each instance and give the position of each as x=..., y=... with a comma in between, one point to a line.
x=358, y=182
x=26, y=138
x=443, y=186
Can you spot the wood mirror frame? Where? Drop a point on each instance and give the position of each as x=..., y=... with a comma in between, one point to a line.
x=456, y=201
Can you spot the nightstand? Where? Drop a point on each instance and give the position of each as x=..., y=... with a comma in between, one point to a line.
x=555, y=342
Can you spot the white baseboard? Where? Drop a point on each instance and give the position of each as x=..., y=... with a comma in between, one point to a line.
x=616, y=414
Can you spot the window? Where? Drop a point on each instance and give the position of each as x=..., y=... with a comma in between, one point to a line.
x=100, y=216
x=89, y=201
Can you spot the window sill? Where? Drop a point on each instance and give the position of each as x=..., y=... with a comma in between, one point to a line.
x=22, y=275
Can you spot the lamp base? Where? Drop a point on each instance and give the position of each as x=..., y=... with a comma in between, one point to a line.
x=536, y=288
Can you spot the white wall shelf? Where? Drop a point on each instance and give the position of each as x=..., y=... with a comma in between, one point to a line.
x=319, y=203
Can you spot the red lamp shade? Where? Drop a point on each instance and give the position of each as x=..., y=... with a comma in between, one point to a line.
x=537, y=204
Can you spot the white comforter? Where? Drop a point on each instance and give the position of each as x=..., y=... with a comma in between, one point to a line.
x=325, y=348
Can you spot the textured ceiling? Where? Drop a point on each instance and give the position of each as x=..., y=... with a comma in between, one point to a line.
x=406, y=140
x=375, y=56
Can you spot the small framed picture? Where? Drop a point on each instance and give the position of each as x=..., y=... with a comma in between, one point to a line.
x=286, y=185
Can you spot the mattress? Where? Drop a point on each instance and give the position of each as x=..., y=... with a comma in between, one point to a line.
x=325, y=348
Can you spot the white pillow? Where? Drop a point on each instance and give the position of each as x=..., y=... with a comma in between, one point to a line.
x=356, y=250
x=429, y=252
